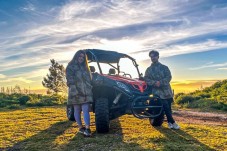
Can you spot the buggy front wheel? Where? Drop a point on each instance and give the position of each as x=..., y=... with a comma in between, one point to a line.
x=102, y=120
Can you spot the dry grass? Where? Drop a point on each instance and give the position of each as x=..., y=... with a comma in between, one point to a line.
x=48, y=129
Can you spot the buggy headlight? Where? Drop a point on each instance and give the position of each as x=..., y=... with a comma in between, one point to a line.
x=123, y=86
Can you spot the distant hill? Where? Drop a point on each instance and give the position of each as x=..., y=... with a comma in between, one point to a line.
x=218, y=90
x=39, y=91
x=214, y=97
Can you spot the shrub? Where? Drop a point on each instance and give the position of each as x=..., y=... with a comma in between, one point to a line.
x=3, y=104
x=24, y=99
x=2, y=96
x=53, y=100
x=224, y=108
x=13, y=96
x=204, y=95
x=12, y=101
x=217, y=106
x=32, y=102
x=178, y=94
x=182, y=99
x=202, y=103
x=14, y=106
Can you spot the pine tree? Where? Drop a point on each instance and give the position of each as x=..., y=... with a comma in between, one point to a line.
x=55, y=81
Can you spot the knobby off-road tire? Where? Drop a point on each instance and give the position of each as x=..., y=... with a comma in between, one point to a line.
x=158, y=120
x=102, y=120
x=70, y=112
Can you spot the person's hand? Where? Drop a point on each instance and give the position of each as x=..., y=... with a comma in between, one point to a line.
x=157, y=83
x=72, y=90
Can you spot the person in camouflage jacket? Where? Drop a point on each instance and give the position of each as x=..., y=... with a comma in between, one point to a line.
x=79, y=85
x=159, y=76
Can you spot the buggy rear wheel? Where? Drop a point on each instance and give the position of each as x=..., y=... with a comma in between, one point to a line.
x=102, y=120
x=70, y=112
x=158, y=120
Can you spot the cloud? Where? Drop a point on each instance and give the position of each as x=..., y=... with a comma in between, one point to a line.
x=39, y=73
x=222, y=68
x=18, y=79
x=29, y=7
x=210, y=65
x=133, y=27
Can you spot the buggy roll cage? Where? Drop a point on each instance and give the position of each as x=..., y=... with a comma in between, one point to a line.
x=108, y=57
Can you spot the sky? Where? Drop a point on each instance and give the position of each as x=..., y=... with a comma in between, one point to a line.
x=191, y=36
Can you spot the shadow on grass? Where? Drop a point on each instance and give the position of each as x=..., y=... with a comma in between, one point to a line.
x=43, y=140
x=46, y=139
x=113, y=140
x=68, y=139
x=178, y=140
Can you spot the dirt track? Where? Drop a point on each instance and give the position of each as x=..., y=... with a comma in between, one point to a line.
x=200, y=117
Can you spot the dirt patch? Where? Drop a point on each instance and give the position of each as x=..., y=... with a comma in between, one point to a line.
x=194, y=117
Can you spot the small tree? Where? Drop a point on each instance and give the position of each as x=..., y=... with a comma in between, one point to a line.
x=7, y=90
x=56, y=80
x=17, y=89
x=2, y=89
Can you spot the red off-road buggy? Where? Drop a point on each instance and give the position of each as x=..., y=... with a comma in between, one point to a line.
x=116, y=93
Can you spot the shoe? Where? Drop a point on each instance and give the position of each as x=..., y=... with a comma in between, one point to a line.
x=87, y=132
x=175, y=126
x=170, y=125
x=81, y=130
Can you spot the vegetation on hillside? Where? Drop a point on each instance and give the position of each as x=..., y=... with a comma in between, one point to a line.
x=214, y=97
x=16, y=100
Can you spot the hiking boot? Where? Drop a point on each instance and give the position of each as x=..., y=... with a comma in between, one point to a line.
x=81, y=130
x=87, y=132
x=170, y=125
x=175, y=126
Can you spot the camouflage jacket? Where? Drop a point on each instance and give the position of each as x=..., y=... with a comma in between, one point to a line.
x=159, y=72
x=79, y=83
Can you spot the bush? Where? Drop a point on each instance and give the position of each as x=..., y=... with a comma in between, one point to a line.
x=182, y=99
x=217, y=106
x=13, y=96
x=204, y=95
x=177, y=95
x=3, y=104
x=14, y=106
x=224, y=108
x=16, y=99
x=53, y=100
x=6, y=102
x=32, y=102
x=24, y=99
x=202, y=103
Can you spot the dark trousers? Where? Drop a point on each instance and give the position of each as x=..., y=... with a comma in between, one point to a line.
x=167, y=109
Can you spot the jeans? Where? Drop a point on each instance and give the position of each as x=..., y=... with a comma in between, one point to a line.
x=167, y=109
x=77, y=113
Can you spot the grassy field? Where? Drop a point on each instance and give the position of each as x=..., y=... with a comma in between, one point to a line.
x=47, y=128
